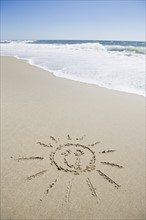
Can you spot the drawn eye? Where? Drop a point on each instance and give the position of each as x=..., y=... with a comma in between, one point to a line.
x=66, y=153
x=79, y=153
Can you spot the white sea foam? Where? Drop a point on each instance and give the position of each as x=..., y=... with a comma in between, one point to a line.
x=114, y=67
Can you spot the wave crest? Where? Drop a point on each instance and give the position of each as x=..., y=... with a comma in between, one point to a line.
x=130, y=49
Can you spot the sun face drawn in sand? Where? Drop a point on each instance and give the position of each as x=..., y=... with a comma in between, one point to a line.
x=74, y=158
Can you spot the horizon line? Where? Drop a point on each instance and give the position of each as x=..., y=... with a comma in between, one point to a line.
x=71, y=40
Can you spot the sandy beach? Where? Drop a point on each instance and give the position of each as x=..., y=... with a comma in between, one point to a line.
x=69, y=150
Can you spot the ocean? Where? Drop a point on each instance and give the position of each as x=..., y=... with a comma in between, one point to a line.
x=116, y=65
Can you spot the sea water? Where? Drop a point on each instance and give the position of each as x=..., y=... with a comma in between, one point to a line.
x=117, y=65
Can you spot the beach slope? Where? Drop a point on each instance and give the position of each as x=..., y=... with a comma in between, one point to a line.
x=69, y=150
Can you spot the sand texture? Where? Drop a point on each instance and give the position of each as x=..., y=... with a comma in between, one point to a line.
x=69, y=150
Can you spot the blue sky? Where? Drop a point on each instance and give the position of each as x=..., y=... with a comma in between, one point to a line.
x=95, y=20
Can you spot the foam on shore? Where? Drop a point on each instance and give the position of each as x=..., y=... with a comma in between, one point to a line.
x=117, y=67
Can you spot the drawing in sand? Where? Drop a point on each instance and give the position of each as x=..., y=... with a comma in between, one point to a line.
x=75, y=158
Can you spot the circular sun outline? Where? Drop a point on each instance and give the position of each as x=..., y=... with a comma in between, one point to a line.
x=77, y=167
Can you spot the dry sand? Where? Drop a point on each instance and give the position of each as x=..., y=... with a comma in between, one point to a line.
x=69, y=175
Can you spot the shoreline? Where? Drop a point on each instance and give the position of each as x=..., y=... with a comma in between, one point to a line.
x=43, y=115
x=94, y=84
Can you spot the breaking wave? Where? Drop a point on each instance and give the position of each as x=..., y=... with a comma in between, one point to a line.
x=114, y=65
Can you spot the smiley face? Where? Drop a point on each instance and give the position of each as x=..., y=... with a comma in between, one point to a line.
x=74, y=158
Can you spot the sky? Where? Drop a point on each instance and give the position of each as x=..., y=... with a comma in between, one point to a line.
x=73, y=20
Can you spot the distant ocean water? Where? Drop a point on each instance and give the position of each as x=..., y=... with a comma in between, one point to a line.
x=117, y=65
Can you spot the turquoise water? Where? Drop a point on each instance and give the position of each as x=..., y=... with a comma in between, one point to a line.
x=125, y=45
x=103, y=42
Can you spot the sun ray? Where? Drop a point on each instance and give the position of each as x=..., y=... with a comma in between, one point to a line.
x=108, y=179
x=68, y=137
x=53, y=139
x=44, y=145
x=112, y=164
x=91, y=187
x=68, y=144
x=92, y=145
x=81, y=138
x=68, y=191
x=106, y=151
x=36, y=175
x=51, y=185
x=29, y=158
